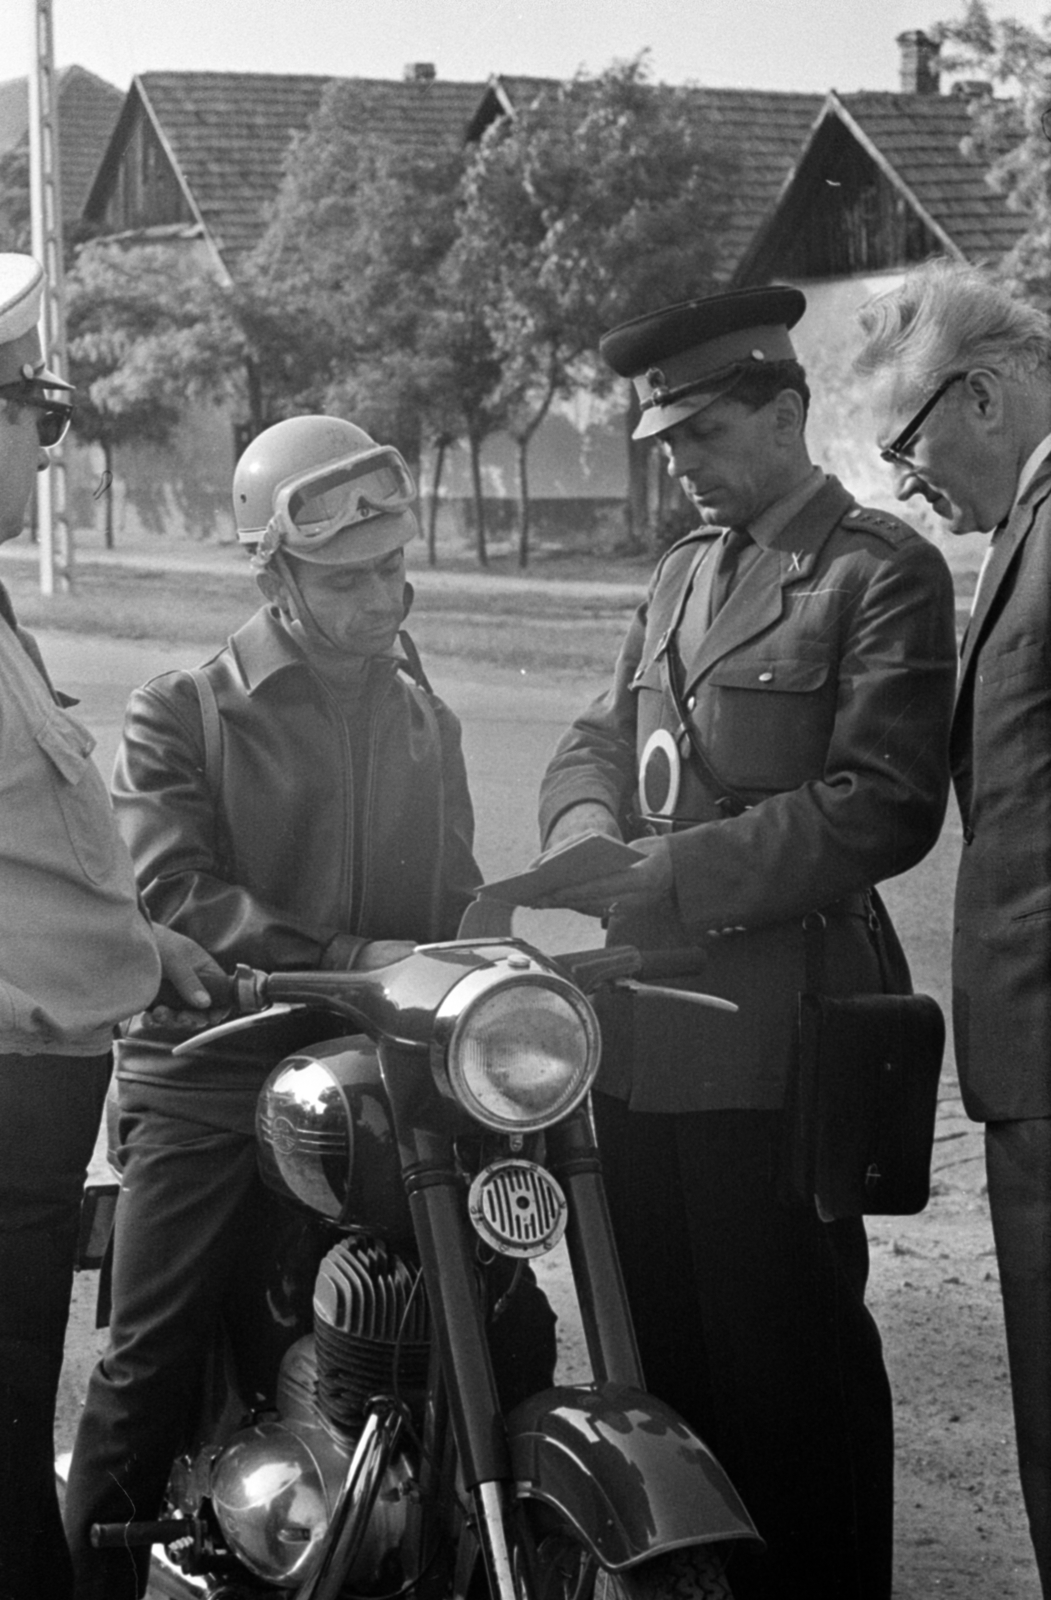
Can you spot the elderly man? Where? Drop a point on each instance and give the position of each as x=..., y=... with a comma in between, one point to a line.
x=775, y=741
x=963, y=400
x=300, y=801
x=77, y=954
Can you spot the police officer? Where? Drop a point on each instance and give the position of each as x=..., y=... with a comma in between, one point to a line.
x=77, y=954
x=775, y=741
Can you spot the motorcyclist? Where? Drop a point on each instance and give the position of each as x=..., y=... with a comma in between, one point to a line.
x=299, y=801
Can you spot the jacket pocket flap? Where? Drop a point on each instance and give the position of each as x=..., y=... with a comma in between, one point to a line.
x=67, y=743
x=792, y=677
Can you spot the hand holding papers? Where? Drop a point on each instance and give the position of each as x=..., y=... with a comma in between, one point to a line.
x=580, y=860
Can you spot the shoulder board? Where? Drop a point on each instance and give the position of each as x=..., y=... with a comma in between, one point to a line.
x=863, y=519
x=689, y=542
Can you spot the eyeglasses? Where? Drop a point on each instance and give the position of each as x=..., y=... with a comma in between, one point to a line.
x=53, y=416
x=894, y=452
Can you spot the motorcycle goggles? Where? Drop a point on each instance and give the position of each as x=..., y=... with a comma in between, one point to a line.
x=311, y=507
x=53, y=416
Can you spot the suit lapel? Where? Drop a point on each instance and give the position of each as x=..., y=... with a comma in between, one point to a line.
x=1005, y=550
x=758, y=601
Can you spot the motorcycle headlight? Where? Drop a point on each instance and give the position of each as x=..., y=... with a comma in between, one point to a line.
x=518, y=1053
x=271, y=1501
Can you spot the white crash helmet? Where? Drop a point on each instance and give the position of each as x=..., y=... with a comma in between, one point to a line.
x=307, y=479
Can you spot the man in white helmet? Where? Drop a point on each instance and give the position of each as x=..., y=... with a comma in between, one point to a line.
x=77, y=955
x=300, y=801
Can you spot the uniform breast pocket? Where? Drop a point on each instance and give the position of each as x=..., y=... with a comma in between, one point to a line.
x=79, y=793
x=771, y=720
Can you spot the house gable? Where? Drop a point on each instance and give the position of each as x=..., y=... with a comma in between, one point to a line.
x=88, y=109
x=209, y=148
x=883, y=182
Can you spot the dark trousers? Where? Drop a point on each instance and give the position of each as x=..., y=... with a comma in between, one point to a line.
x=751, y=1323
x=1018, y=1165
x=50, y=1107
x=189, y=1201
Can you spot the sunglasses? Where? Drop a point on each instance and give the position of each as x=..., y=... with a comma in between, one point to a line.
x=894, y=452
x=52, y=422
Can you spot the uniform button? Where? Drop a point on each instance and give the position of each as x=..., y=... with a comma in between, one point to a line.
x=766, y=677
x=691, y=704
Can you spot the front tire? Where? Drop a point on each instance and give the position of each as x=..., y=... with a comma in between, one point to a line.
x=567, y=1571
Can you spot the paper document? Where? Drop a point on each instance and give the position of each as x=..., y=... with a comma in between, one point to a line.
x=592, y=855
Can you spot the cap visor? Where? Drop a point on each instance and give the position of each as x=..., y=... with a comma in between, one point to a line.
x=51, y=380
x=658, y=419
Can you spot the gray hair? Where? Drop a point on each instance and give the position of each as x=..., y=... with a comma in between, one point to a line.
x=947, y=317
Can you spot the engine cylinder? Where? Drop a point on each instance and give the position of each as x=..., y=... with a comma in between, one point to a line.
x=371, y=1331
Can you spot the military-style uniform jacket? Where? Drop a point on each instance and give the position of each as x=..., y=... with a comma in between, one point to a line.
x=1001, y=759
x=822, y=692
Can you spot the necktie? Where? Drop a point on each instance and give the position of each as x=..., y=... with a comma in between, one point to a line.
x=733, y=545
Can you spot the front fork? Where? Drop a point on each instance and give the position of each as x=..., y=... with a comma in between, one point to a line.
x=445, y=1245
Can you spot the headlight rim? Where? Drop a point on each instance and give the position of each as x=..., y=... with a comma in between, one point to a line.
x=454, y=1015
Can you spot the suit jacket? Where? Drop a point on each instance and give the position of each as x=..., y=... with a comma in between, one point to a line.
x=822, y=690
x=1001, y=760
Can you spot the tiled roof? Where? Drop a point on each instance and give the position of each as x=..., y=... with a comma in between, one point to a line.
x=764, y=130
x=229, y=132
x=88, y=108
x=920, y=136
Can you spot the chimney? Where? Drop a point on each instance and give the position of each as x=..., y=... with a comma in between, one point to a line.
x=919, y=63
x=419, y=72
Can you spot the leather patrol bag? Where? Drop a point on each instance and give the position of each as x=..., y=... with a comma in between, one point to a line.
x=862, y=1094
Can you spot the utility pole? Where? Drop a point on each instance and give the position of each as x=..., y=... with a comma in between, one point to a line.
x=45, y=198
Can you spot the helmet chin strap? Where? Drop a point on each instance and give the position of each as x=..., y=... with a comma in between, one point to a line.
x=304, y=626
x=303, y=623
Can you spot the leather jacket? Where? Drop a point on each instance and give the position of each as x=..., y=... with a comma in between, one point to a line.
x=331, y=822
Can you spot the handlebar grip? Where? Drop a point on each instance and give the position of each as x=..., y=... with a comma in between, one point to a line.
x=679, y=963
x=135, y=1535
x=221, y=987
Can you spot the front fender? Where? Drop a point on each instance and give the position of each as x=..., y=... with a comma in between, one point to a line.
x=624, y=1471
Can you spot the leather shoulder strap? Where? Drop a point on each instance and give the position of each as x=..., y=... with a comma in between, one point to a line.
x=729, y=800
x=211, y=727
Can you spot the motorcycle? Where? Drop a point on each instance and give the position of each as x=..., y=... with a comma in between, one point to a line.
x=433, y=1136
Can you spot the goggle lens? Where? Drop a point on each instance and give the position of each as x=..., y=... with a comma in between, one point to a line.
x=349, y=496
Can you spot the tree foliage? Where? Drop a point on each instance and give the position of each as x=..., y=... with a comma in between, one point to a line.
x=596, y=202
x=1010, y=130
x=147, y=330
x=361, y=241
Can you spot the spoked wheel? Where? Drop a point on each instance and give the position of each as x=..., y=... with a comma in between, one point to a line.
x=568, y=1571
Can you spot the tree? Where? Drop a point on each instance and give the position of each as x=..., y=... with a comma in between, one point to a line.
x=146, y=329
x=1011, y=133
x=593, y=204
x=14, y=198
x=361, y=240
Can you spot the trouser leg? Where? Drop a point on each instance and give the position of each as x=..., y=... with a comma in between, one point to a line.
x=751, y=1323
x=50, y=1107
x=188, y=1195
x=1018, y=1163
